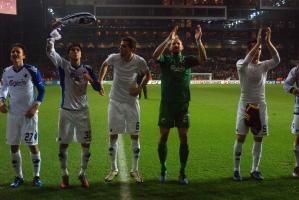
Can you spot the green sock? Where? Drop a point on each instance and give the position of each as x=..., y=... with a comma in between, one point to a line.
x=184, y=152
x=162, y=151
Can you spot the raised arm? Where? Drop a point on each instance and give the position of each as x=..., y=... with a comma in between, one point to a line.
x=160, y=49
x=202, y=55
x=249, y=57
x=51, y=53
x=270, y=46
x=102, y=74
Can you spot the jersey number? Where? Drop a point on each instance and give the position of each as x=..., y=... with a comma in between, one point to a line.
x=264, y=129
x=137, y=126
x=87, y=136
x=28, y=137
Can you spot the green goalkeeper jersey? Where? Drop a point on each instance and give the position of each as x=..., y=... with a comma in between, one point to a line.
x=175, y=77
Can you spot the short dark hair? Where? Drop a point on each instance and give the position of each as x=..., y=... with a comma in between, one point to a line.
x=132, y=42
x=250, y=44
x=73, y=45
x=20, y=45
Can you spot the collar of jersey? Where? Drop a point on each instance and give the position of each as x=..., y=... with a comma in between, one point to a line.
x=179, y=55
x=17, y=70
x=81, y=65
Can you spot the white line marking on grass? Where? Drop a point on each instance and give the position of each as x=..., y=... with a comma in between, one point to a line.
x=125, y=191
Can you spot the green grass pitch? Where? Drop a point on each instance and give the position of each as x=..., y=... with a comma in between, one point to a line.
x=211, y=137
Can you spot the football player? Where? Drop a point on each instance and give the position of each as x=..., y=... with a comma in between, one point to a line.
x=123, y=109
x=74, y=121
x=19, y=82
x=293, y=78
x=175, y=95
x=252, y=109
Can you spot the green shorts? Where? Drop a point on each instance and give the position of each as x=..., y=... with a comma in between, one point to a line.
x=174, y=115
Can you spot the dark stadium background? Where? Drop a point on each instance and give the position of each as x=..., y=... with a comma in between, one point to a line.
x=227, y=26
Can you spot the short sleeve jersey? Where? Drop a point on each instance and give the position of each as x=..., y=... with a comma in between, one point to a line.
x=125, y=76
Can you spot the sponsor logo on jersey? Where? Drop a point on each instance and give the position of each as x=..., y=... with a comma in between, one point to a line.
x=180, y=68
x=75, y=77
x=17, y=83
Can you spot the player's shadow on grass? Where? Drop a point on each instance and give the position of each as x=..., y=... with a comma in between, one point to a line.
x=225, y=188
x=97, y=190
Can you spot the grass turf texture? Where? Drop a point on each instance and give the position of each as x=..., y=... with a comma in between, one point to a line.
x=210, y=166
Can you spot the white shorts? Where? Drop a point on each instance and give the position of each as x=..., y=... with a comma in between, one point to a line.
x=295, y=125
x=242, y=129
x=22, y=130
x=74, y=126
x=124, y=117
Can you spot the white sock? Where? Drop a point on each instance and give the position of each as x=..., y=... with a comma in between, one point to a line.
x=135, y=154
x=237, y=155
x=36, y=162
x=63, y=161
x=296, y=151
x=256, y=155
x=85, y=155
x=113, y=153
x=16, y=159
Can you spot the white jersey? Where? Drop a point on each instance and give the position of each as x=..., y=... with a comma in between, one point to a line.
x=253, y=78
x=125, y=76
x=19, y=84
x=293, y=77
x=72, y=83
